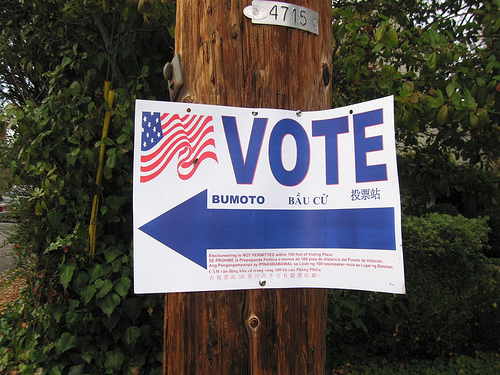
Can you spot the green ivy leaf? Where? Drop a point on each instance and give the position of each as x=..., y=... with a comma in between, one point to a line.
x=111, y=321
x=131, y=335
x=122, y=286
x=57, y=312
x=112, y=254
x=56, y=370
x=66, y=342
x=105, y=288
x=99, y=283
x=109, y=303
x=146, y=330
x=87, y=293
x=66, y=272
x=80, y=280
x=114, y=360
x=72, y=318
x=132, y=307
x=77, y=370
x=96, y=273
x=87, y=356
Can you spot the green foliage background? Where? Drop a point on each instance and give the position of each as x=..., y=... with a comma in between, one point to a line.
x=451, y=305
x=440, y=61
x=79, y=315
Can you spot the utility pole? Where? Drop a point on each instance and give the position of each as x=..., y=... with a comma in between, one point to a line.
x=227, y=60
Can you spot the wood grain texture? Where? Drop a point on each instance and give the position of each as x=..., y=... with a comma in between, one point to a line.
x=228, y=61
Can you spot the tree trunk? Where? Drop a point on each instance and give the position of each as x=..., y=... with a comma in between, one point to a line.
x=227, y=60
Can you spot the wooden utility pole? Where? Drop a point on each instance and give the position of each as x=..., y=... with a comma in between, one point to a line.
x=227, y=60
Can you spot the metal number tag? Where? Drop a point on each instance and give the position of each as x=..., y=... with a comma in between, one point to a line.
x=282, y=14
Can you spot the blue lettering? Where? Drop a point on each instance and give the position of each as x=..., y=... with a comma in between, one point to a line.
x=363, y=145
x=245, y=166
x=330, y=129
x=237, y=199
x=244, y=169
x=298, y=173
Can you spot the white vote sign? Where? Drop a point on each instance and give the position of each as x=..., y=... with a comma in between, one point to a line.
x=239, y=198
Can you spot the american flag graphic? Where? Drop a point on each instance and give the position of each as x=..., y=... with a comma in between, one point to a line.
x=167, y=135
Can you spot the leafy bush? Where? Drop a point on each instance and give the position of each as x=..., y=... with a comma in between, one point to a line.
x=345, y=327
x=494, y=236
x=79, y=313
x=444, y=76
x=444, y=268
x=451, y=302
x=454, y=186
x=446, y=208
x=479, y=363
x=487, y=311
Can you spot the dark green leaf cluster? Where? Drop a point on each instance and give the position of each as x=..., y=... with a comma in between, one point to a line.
x=493, y=250
x=480, y=363
x=78, y=314
x=440, y=60
x=451, y=305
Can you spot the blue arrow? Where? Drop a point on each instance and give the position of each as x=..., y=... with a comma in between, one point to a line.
x=191, y=228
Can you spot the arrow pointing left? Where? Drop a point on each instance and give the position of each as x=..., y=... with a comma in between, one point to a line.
x=191, y=229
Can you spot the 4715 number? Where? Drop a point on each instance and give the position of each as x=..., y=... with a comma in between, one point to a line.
x=287, y=16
